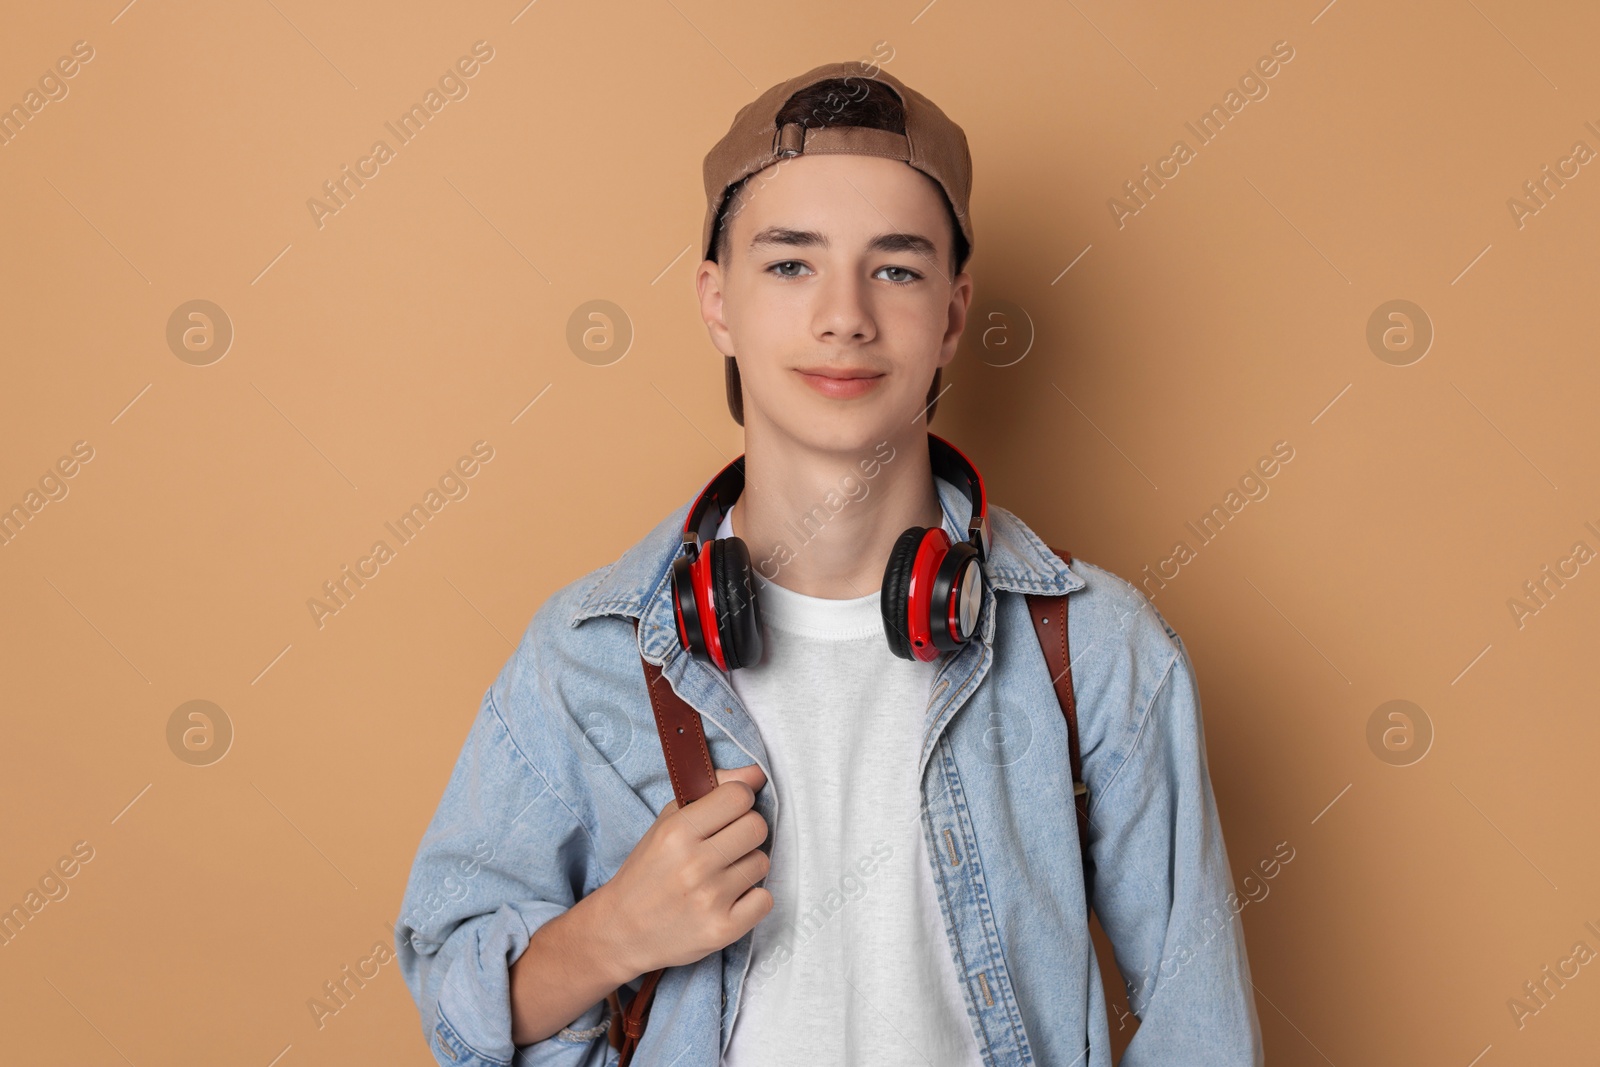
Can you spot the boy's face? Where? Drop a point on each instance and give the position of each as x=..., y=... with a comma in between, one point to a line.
x=836, y=263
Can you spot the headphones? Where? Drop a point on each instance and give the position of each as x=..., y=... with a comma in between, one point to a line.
x=932, y=586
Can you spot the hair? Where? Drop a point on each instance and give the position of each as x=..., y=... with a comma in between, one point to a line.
x=834, y=102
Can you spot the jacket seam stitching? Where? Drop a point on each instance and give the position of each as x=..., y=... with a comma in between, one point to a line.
x=978, y=882
x=588, y=594
x=935, y=733
x=1044, y=552
x=1144, y=722
x=494, y=705
x=442, y=1017
x=965, y=888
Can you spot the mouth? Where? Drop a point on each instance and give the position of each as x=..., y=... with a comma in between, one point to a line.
x=840, y=383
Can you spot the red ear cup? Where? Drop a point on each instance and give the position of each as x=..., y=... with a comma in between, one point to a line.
x=932, y=592
x=683, y=606
x=715, y=606
x=691, y=606
x=914, y=603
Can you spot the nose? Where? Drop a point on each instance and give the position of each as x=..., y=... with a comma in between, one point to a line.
x=844, y=311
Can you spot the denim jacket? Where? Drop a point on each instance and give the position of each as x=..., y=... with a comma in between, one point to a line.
x=562, y=772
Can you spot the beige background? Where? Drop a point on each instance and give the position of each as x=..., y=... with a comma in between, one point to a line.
x=369, y=354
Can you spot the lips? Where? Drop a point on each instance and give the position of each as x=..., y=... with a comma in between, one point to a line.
x=840, y=383
x=840, y=373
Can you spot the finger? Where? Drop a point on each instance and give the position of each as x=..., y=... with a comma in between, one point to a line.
x=745, y=872
x=740, y=835
x=751, y=776
x=719, y=807
x=709, y=814
x=750, y=909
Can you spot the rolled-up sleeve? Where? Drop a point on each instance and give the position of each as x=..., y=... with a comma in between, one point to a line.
x=503, y=855
x=1164, y=893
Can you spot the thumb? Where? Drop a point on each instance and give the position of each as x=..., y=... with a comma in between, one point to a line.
x=750, y=774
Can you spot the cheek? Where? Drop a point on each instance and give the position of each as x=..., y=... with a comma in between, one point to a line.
x=921, y=321
x=915, y=333
x=763, y=318
x=764, y=338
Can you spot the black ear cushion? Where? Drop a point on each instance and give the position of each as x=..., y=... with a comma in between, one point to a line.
x=719, y=593
x=745, y=623
x=738, y=614
x=892, y=594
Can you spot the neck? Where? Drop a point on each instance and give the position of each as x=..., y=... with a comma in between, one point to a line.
x=823, y=522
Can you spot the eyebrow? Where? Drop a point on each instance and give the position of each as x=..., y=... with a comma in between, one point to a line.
x=882, y=242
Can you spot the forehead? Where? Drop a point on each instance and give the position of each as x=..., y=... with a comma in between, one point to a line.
x=843, y=194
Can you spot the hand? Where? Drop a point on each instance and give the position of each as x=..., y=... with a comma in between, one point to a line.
x=688, y=888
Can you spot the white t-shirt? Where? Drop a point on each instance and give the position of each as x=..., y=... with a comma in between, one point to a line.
x=852, y=965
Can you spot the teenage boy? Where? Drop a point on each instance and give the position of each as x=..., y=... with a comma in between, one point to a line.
x=888, y=870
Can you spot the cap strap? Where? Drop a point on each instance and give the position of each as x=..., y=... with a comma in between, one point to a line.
x=793, y=139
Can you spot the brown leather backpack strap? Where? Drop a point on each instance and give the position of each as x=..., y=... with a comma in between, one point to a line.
x=683, y=739
x=693, y=775
x=1049, y=614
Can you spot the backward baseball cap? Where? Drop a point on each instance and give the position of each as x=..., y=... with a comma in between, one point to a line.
x=932, y=143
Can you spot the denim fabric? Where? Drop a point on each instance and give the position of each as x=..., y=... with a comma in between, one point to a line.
x=562, y=772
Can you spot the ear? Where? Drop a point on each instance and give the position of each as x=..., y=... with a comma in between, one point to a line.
x=708, y=290
x=956, y=317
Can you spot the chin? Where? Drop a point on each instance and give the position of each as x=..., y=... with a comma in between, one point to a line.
x=832, y=426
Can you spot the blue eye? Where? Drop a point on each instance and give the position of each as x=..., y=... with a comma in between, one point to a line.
x=913, y=275
x=908, y=276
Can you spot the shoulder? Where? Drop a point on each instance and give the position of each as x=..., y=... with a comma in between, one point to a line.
x=1115, y=604
x=1130, y=673
x=1111, y=602
x=1122, y=647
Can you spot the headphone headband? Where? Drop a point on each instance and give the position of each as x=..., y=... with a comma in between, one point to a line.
x=711, y=505
x=951, y=464
x=948, y=462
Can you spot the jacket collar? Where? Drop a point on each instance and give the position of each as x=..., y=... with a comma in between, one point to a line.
x=639, y=584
